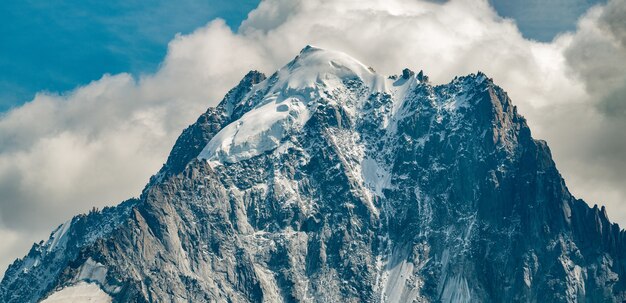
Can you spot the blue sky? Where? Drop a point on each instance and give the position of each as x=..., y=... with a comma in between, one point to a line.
x=543, y=19
x=57, y=45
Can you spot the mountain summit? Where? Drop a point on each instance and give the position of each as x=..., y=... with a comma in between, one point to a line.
x=327, y=182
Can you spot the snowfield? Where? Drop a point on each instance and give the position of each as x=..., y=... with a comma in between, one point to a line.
x=80, y=293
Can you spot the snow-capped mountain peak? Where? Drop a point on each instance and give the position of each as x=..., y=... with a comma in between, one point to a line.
x=329, y=182
x=283, y=103
x=323, y=69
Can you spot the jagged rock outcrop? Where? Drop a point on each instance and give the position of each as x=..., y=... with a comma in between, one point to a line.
x=327, y=182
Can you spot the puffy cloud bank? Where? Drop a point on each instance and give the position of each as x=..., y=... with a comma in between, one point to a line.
x=98, y=145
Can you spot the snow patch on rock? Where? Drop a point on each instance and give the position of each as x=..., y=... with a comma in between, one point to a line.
x=92, y=271
x=260, y=130
x=79, y=293
x=375, y=177
x=58, y=235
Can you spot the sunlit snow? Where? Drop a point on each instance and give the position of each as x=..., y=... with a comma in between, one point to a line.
x=79, y=293
x=288, y=103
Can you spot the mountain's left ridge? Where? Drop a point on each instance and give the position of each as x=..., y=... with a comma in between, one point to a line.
x=329, y=182
x=196, y=136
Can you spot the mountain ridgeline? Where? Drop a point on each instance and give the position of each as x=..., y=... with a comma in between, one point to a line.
x=327, y=182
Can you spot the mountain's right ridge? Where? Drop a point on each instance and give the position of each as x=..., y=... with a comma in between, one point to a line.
x=354, y=187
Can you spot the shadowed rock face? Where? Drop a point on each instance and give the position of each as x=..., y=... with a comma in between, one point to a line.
x=351, y=188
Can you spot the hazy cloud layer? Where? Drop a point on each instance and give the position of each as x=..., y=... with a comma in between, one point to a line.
x=100, y=143
x=589, y=138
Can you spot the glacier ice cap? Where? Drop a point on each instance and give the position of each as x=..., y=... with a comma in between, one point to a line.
x=315, y=67
x=286, y=104
x=287, y=100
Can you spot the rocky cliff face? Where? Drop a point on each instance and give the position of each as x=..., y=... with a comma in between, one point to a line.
x=327, y=182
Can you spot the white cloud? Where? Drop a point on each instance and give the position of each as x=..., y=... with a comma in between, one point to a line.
x=99, y=144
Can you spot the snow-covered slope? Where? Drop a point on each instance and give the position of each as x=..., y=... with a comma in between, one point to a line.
x=79, y=293
x=328, y=182
x=288, y=100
